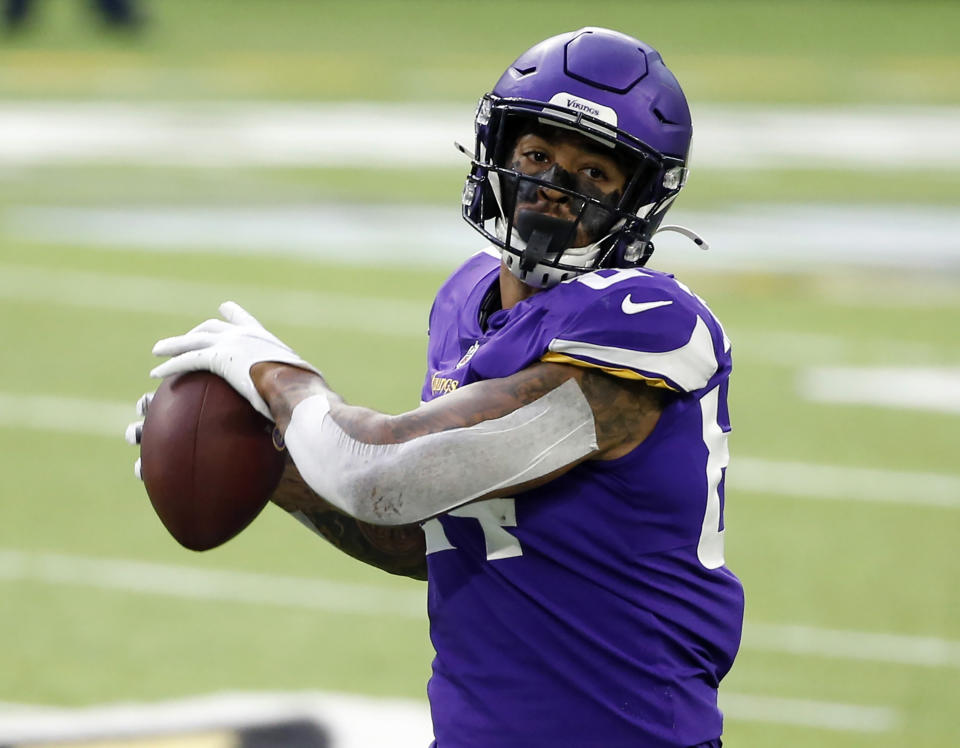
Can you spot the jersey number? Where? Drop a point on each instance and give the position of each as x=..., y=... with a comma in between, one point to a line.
x=496, y=514
x=710, y=547
x=493, y=515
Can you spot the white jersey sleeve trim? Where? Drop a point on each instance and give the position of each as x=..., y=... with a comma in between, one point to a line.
x=689, y=367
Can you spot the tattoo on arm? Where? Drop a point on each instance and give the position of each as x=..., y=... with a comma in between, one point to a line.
x=398, y=550
x=481, y=401
x=625, y=411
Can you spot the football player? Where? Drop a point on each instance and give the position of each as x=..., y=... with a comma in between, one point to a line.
x=561, y=488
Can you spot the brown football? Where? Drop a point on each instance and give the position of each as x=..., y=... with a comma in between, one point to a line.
x=207, y=459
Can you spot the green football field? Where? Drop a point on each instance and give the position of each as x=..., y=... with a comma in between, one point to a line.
x=843, y=509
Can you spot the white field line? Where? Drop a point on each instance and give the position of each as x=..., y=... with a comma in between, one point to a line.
x=379, y=234
x=806, y=480
x=798, y=349
x=141, y=577
x=921, y=651
x=926, y=388
x=210, y=585
x=825, y=715
x=357, y=721
x=782, y=238
x=370, y=314
x=199, y=300
x=803, y=480
x=68, y=415
x=352, y=134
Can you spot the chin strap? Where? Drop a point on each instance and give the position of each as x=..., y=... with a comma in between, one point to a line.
x=690, y=234
x=546, y=235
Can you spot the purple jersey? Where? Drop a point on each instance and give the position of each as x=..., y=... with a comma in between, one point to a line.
x=596, y=609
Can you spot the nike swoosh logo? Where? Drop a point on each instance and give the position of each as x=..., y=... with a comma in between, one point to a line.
x=631, y=307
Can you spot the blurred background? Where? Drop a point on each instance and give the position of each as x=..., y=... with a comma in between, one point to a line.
x=298, y=157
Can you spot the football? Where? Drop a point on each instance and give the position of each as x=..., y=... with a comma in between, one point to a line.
x=207, y=459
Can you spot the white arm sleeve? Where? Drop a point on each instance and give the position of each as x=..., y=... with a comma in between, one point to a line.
x=396, y=484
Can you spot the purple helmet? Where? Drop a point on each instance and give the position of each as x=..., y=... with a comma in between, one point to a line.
x=616, y=92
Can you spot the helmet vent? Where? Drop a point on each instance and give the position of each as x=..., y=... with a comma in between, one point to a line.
x=663, y=118
x=525, y=69
x=605, y=59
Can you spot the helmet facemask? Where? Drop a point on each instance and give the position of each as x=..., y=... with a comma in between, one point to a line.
x=582, y=228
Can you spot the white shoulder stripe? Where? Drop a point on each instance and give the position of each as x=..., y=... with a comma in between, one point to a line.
x=690, y=366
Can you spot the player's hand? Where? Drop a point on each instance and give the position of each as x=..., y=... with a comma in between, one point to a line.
x=227, y=347
x=135, y=429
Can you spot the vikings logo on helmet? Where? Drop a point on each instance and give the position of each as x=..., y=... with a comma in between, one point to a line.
x=605, y=86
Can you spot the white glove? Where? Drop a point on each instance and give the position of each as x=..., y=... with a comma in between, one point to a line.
x=227, y=348
x=135, y=429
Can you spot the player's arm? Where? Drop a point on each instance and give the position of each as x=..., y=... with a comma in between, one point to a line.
x=398, y=550
x=490, y=438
